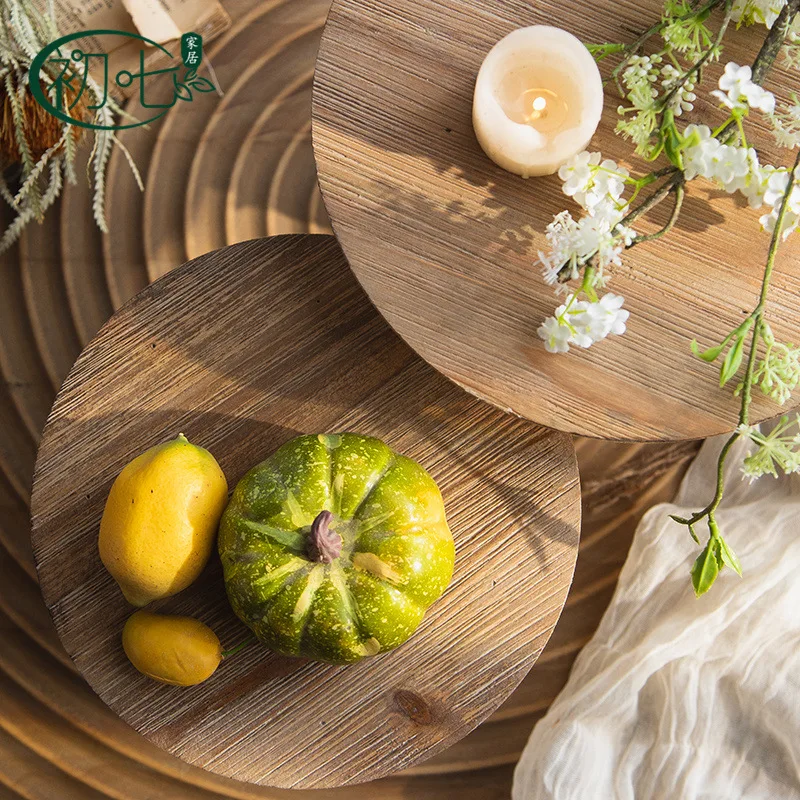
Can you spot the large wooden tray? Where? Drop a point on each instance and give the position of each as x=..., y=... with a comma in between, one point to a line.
x=242, y=349
x=445, y=242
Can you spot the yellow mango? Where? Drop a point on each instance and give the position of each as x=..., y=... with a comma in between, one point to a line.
x=160, y=521
x=177, y=650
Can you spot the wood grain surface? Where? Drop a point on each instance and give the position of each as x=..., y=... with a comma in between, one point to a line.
x=52, y=723
x=445, y=242
x=241, y=350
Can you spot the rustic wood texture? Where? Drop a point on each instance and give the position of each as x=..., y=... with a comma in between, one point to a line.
x=241, y=350
x=51, y=720
x=445, y=242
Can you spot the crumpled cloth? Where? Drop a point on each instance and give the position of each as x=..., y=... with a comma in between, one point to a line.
x=681, y=697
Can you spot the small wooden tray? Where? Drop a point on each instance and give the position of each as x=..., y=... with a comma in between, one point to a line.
x=242, y=349
x=445, y=242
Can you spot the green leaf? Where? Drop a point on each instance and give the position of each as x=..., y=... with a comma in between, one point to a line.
x=744, y=327
x=733, y=360
x=729, y=557
x=679, y=520
x=189, y=74
x=692, y=532
x=601, y=51
x=706, y=568
x=202, y=85
x=712, y=354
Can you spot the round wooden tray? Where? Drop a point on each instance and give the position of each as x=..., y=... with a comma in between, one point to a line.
x=242, y=349
x=445, y=242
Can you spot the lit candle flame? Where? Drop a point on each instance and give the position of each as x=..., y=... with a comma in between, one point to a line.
x=543, y=109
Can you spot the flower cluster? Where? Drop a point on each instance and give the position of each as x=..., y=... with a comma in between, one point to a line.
x=599, y=237
x=737, y=168
x=639, y=119
x=738, y=92
x=641, y=73
x=583, y=322
x=685, y=32
x=573, y=242
x=778, y=449
x=778, y=372
x=597, y=186
x=707, y=157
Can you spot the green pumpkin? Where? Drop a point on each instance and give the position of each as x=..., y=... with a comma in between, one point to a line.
x=334, y=547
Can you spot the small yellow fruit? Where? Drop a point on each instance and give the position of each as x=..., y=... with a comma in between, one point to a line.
x=177, y=650
x=160, y=520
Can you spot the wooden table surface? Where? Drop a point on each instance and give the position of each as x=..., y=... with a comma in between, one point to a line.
x=445, y=242
x=57, y=739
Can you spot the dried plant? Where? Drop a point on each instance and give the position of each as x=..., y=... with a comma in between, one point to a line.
x=45, y=147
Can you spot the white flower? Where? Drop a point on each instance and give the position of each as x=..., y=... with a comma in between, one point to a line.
x=590, y=182
x=556, y=335
x=582, y=323
x=731, y=165
x=685, y=96
x=737, y=90
x=773, y=196
x=697, y=156
x=790, y=223
x=776, y=187
x=565, y=246
x=599, y=234
x=747, y=12
x=549, y=268
x=747, y=177
x=597, y=320
x=578, y=175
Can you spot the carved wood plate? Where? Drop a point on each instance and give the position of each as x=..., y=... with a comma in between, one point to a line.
x=445, y=242
x=242, y=349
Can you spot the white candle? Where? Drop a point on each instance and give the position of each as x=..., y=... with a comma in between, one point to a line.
x=538, y=100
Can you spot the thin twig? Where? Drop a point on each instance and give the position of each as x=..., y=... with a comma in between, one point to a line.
x=774, y=41
x=656, y=198
x=680, y=192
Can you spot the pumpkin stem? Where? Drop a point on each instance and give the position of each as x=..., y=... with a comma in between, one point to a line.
x=323, y=544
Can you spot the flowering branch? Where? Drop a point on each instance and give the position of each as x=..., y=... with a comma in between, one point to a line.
x=658, y=89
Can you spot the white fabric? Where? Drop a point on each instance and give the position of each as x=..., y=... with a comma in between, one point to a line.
x=681, y=697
